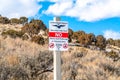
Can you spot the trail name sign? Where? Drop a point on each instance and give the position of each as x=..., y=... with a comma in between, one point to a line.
x=58, y=35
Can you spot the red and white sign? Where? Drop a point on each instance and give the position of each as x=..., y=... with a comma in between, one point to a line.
x=58, y=35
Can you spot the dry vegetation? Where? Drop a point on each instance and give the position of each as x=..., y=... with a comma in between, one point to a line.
x=25, y=60
x=6, y=27
x=24, y=54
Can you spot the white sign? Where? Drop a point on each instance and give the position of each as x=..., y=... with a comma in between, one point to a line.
x=58, y=35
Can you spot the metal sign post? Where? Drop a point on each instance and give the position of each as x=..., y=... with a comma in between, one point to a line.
x=57, y=65
x=57, y=61
x=58, y=41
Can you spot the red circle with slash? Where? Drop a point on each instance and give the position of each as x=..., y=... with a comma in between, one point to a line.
x=51, y=45
x=65, y=45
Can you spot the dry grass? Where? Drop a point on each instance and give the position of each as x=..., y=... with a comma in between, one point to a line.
x=23, y=60
x=84, y=64
x=5, y=27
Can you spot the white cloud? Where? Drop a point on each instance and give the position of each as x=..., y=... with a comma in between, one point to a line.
x=53, y=0
x=40, y=0
x=17, y=8
x=86, y=10
x=59, y=8
x=111, y=34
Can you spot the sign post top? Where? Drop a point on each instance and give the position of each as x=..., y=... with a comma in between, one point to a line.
x=56, y=19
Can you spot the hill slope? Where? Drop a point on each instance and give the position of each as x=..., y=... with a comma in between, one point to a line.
x=5, y=27
x=29, y=61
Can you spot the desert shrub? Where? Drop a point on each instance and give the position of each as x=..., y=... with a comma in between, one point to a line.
x=100, y=42
x=46, y=40
x=14, y=21
x=23, y=20
x=110, y=41
x=34, y=27
x=39, y=23
x=18, y=73
x=82, y=40
x=86, y=39
x=31, y=29
x=90, y=38
x=117, y=42
x=12, y=73
x=46, y=32
x=4, y=20
x=13, y=33
x=77, y=34
x=4, y=72
x=38, y=39
x=73, y=71
x=113, y=42
x=70, y=32
x=111, y=69
x=39, y=65
x=113, y=55
x=25, y=37
x=28, y=68
x=79, y=54
x=117, y=71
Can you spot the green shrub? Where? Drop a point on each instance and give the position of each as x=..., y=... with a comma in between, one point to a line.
x=13, y=33
x=31, y=29
x=23, y=20
x=4, y=20
x=70, y=32
x=38, y=39
x=39, y=23
x=39, y=65
x=100, y=42
x=14, y=21
x=73, y=71
x=29, y=68
x=25, y=37
x=113, y=55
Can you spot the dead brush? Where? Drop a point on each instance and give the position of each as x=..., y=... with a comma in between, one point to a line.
x=80, y=53
x=23, y=60
x=113, y=55
x=12, y=73
x=39, y=65
x=27, y=68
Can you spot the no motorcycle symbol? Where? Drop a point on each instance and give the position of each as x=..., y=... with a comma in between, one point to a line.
x=51, y=45
x=65, y=45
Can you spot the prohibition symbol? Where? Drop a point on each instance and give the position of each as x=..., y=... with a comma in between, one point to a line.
x=51, y=45
x=65, y=45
